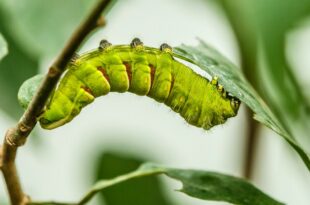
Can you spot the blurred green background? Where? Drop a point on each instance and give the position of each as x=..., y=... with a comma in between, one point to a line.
x=269, y=39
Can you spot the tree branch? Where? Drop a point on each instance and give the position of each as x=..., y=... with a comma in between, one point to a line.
x=17, y=136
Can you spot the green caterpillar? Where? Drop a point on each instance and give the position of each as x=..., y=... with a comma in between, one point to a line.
x=143, y=71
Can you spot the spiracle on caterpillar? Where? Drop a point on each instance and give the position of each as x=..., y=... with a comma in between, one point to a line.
x=144, y=71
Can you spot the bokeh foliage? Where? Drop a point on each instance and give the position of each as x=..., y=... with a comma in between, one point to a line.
x=34, y=30
x=3, y=47
x=234, y=81
x=141, y=191
x=261, y=28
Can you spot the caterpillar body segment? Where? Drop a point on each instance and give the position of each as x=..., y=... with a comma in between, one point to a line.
x=143, y=71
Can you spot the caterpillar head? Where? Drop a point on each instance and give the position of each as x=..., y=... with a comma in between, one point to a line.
x=234, y=102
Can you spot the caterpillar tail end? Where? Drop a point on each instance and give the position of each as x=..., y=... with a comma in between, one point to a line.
x=55, y=116
x=49, y=125
x=50, y=119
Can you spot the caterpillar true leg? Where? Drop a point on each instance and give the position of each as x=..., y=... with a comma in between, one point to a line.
x=74, y=58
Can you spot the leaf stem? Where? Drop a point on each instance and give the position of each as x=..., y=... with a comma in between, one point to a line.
x=17, y=135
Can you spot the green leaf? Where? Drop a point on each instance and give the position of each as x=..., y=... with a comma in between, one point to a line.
x=219, y=187
x=199, y=184
x=16, y=67
x=28, y=89
x=146, y=190
x=235, y=83
x=3, y=47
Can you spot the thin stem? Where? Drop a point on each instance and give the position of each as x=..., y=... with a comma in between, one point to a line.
x=17, y=136
x=10, y=173
x=247, y=41
x=103, y=184
x=251, y=145
x=50, y=203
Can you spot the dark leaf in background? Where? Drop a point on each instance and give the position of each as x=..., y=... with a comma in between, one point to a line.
x=284, y=91
x=42, y=27
x=16, y=67
x=142, y=191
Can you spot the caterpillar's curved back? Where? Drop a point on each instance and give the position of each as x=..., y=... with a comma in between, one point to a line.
x=143, y=71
